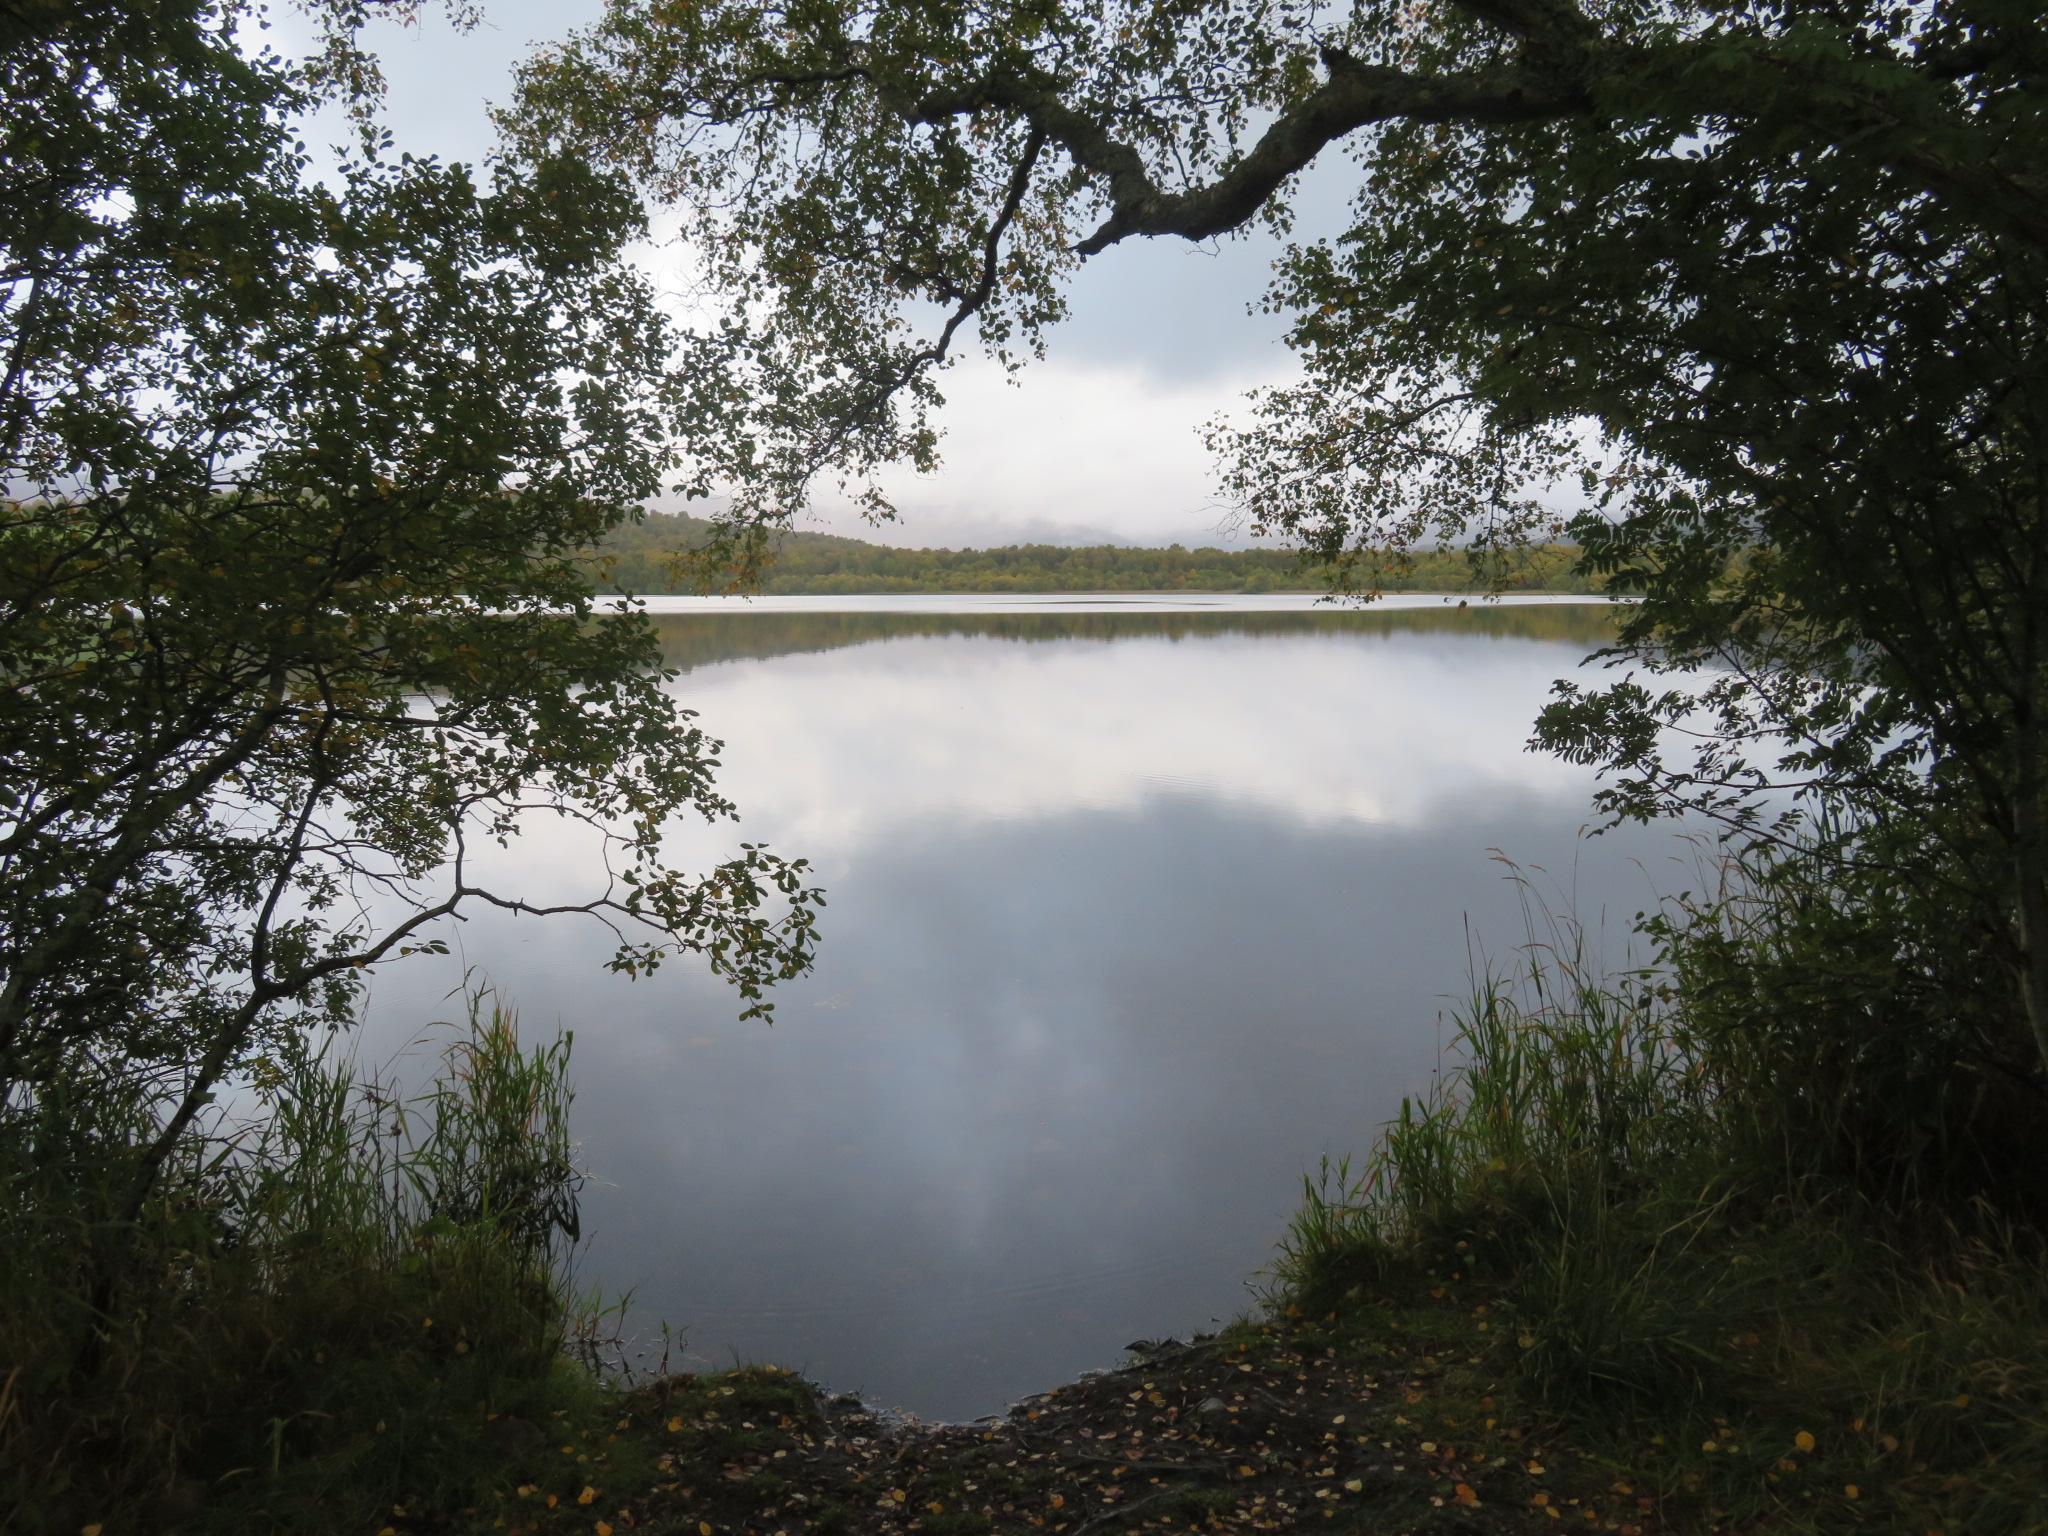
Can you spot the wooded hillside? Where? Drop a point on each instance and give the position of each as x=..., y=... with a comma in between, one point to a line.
x=642, y=555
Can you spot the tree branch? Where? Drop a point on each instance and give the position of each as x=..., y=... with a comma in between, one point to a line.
x=1561, y=59
x=1355, y=95
x=971, y=303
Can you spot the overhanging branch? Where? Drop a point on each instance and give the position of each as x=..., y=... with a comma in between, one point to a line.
x=1562, y=68
x=1353, y=96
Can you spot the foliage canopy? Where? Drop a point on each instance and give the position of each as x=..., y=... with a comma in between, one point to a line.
x=1752, y=290
x=291, y=618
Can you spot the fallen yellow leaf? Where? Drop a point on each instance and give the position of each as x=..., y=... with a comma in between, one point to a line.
x=88, y=1530
x=1467, y=1496
x=1354, y=1486
x=674, y=1425
x=603, y=1529
x=1852, y=1491
x=586, y=1495
x=1803, y=1440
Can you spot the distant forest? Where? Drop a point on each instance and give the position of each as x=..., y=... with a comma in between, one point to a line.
x=637, y=558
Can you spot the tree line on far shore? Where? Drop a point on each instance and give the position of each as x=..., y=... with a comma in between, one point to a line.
x=643, y=557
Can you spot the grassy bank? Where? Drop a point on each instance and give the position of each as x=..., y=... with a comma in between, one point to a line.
x=1671, y=1241
x=322, y=1315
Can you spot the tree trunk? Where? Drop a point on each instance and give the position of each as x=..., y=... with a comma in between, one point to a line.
x=2030, y=866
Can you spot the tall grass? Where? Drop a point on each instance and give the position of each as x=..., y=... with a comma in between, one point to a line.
x=1653, y=1191
x=331, y=1309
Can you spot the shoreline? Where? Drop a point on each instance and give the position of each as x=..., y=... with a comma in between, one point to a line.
x=1082, y=602
x=1269, y=1425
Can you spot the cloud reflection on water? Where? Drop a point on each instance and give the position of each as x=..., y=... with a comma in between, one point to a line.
x=833, y=752
x=1124, y=934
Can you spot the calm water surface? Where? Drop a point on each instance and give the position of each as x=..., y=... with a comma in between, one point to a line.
x=1134, y=916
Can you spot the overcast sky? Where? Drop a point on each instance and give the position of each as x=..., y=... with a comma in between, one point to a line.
x=1098, y=443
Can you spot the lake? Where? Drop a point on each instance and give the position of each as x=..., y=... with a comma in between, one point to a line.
x=1138, y=908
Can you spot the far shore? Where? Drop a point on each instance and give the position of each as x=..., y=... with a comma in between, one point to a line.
x=1084, y=602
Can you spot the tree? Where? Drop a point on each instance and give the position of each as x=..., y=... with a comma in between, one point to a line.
x=1764, y=279
x=291, y=614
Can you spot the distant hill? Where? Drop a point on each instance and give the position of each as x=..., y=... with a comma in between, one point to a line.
x=637, y=559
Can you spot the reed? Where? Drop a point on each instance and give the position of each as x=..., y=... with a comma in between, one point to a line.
x=335, y=1306
x=1687, y=1272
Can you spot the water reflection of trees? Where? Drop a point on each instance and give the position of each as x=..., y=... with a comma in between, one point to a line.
x=690, y=640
